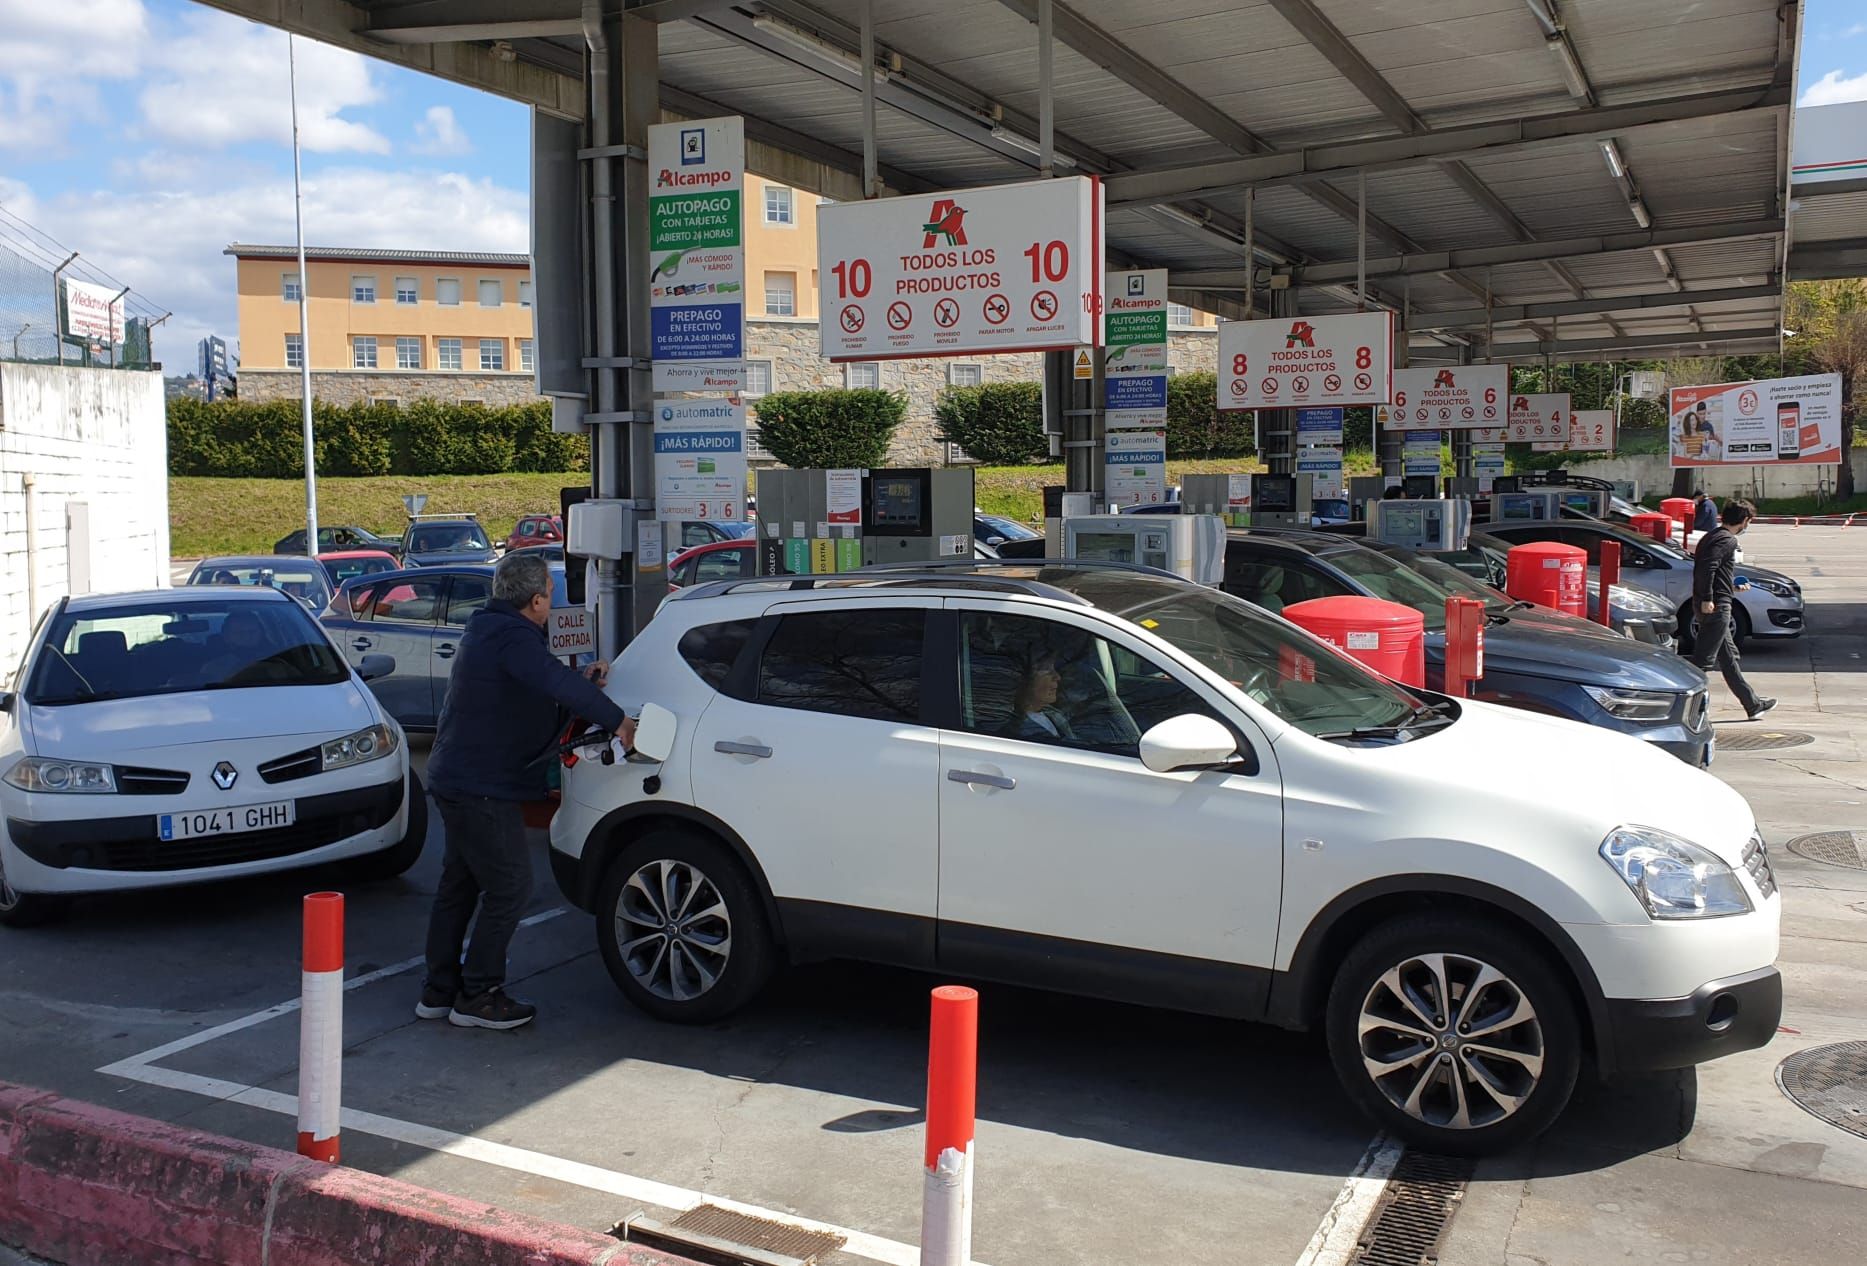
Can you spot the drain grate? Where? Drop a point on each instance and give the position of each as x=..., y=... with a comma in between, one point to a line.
x=1833, y=848
x=1760, y=740
x=778, y=1238
x=1829, y=1083
x=1415, y=1210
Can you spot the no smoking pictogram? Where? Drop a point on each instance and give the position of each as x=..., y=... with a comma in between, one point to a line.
x=946, y=314
x=1044, y=305
x=852, y=318
x=1240, y=387
x=997, y=309
x=900, y=316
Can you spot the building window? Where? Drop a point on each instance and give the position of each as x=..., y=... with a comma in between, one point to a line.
x=407, y=353
x=967, y=375
x=294, y=351
x=780, y=294
x=758, y=377
x=862, y=374
x=447, y=292
x=525, y=355
x=288, y=287
x=525, y=294
x=390, y=400
x=1179, y=314
x=492, y=353
x=363, y=351
x=491, y=292
x=363, y=290
x=407, y=290
x=778, y=209
x=448, y=352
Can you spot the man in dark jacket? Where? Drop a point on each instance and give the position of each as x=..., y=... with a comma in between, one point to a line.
x=499, y=717
x=1714, y=589
x=1704, y=512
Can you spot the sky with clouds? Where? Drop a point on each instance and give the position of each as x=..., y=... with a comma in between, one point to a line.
x=149, y=134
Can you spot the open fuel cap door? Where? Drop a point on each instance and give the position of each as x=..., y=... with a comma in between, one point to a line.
x=654, y=732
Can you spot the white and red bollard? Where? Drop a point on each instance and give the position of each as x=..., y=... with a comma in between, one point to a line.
x=321, y=1027
x=952, y=1086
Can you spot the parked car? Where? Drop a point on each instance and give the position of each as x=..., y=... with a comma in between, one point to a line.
x=716, y=560
x=1535, y=659
x=1771, y=607
x=335, y=538
x=1324, y=848
x=416, y=616
x=1327, y=510
x=552, y=553
x=342, y=565
x=993, y=530
x=304, y=578
x=184, y=735
x=451, y=539
x=536, y=529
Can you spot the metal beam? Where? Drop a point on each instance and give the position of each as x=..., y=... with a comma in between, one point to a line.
x=456, y=21
x=1825, y=262
x=1728, y=342
x=1436, y=146
x=1474, y=318
x=759, y=131
x=1325, y=38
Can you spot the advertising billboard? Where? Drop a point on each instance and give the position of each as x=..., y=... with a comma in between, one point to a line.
x=1134, y=358
x=696, y=246
x=92, y=312
x=1286, y=362
x=1450, y=397
x=1003, y=268
x=1767, y=423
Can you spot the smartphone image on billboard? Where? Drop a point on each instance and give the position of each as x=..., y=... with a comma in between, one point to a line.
x=1788, y=431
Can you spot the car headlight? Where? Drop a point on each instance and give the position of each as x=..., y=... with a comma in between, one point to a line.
x=73, y=777
x=1634, y=705
x=369, y=744
x=1673, y=879
x=1776, y=587
x=1636, y=601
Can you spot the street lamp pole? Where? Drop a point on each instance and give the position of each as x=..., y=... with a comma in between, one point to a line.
x=304, y=311
x=16, y=338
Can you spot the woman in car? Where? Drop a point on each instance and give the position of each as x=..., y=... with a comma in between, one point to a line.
x=1037, y=716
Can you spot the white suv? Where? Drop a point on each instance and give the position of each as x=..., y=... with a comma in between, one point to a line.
x=1109, y=781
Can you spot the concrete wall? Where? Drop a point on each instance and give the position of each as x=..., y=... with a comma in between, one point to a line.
x=1656, y=477
x=95, y=444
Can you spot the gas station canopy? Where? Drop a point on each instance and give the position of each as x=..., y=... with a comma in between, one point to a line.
x=1576, y=178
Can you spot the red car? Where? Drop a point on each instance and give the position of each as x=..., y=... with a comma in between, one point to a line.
x=343, y=564
x=536, y=529
x=716, y=560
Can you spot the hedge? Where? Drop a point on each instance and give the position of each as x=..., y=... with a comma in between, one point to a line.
x=264, y=439
x=1000, y=424
x=1196, y=428
x=832, y=429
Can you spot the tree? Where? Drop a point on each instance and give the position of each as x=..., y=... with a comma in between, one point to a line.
x=1830, y=323
x=830, y=429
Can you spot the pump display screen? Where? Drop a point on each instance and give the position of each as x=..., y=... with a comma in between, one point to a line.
x=1519, y=509
x=1275, y=493
x=1583, y=501
x=1107, y=547
x=897, y=504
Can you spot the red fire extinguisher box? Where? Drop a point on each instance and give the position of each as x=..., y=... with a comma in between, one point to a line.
x=1657, y=526
x=1549, y=574
x=1385, y=636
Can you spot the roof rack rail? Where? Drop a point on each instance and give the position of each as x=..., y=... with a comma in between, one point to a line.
x=960, y=573
x=445, y=514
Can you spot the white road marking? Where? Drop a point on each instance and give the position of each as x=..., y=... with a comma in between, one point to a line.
x=141, y=1068
x=1337, y=1239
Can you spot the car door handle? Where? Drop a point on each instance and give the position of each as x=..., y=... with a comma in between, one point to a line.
x=360, y=643
x=729, y=748
x=973, y=777
x=445, y=650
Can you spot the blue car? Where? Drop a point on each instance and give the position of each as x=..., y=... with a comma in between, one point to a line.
x=437, y=542
x=416, y=615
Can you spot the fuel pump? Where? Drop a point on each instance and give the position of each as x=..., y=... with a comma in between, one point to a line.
x=1432, y=526
x=815, y=522
x=1281, y=500
x=1189, y=545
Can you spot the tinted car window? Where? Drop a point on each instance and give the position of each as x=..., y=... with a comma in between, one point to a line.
x=722, y=564
x=711, y=650
x=407, y=601
x=1275, y=580
x=468, y=594
x=863, y=663
x=446, y=538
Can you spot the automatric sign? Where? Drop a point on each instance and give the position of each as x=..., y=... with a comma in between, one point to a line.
x=1136, y=468
x=1003, y=268
x=1450, y=397
x=1288, y=362
x=700, y=459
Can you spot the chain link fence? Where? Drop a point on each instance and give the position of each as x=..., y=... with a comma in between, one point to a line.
x=32, y=303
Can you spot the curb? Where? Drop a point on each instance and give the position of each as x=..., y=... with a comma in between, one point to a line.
x=80, y=1183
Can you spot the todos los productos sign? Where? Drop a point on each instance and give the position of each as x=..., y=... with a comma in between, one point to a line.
x=1286, y=362
x=1004, y=268
x=1539, y=418
x=1449, y=397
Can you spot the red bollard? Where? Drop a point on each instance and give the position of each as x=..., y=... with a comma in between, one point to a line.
x=952, y=1086
x=1610, y=575
x=321, y=1027
x=1465, y=645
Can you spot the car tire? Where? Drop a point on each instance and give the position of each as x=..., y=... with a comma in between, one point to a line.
x=1684, y=633
x=28, y=909
x=685, y=979
x=1467, y=1098
x=405, y=852
x=1740, y=625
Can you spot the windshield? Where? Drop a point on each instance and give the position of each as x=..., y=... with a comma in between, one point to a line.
x=447, y=538
x=342, y=569
x=1438, y=569
x=1383, y=577
x=1305, y=682
x=1627, y=536
x=154, y=648
x=303, y=578
x=987, y=526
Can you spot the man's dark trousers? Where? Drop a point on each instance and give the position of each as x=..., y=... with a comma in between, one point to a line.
x=1715, y=641
x=486, y=864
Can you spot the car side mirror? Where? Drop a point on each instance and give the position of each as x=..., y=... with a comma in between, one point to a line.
x=376, y=666
x=994, y=540
x=654, y=732
x=6, y=700
x=1187, y=742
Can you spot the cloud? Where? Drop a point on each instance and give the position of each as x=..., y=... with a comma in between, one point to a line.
x=1831, y=89
x=49, y=56
x=439, y=132
x=223, y=81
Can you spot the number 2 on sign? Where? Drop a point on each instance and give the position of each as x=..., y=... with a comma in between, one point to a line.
x=853, y=278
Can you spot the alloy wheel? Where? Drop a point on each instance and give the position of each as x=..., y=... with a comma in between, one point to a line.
x=673, y=930
x=1451, y=1041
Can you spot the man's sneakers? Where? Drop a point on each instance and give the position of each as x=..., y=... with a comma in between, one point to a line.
x=434, y=1004
x=1763, y=706
x=494, y=1009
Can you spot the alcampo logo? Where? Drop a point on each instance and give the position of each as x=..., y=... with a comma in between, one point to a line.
x=948, y=220
x=667, y=178
x=1302, y=334
x=1444, y=379
x=1521, y=404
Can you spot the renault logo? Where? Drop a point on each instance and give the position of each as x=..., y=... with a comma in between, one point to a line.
x=225, y=775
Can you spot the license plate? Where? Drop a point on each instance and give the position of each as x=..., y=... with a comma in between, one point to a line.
x=231, y=821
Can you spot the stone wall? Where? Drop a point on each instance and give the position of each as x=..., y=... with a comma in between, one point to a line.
x=359, y=387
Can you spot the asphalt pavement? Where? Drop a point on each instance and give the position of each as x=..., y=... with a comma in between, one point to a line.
x=1106, y=1133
